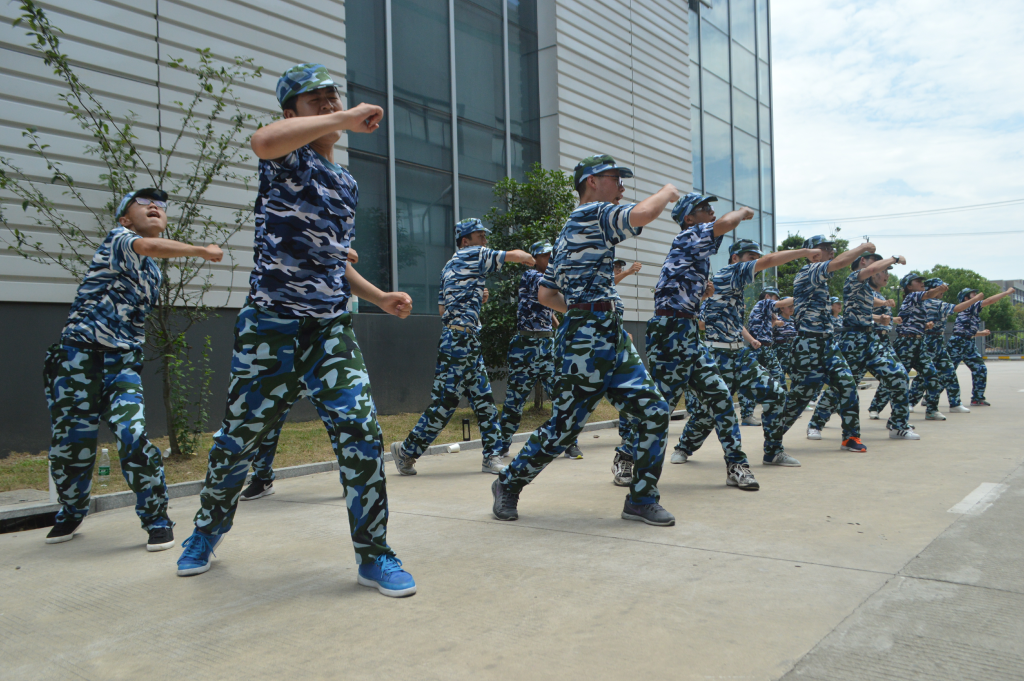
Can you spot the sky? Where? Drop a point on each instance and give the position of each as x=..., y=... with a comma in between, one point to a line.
x=885, y=107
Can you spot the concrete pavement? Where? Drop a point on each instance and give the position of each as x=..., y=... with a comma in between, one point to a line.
x=851, y=567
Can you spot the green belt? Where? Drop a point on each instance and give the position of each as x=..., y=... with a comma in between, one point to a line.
x=536, y=334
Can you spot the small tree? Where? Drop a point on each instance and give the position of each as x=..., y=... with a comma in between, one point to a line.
x=528, y=211
x=207, y=148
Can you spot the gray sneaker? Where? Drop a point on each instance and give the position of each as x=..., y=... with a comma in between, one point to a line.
x=573, y=452
x=750, y=421
x=405, y=464
x=739, y=475
x=622, y=469
x=935, y=415
x=492, y=464
x=679, y=456
x=506, y=503
x=652, y=514
x=781, y=459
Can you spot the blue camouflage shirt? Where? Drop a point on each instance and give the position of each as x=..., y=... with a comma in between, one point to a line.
x=968, y=321
x=531, y=315
x=725, y=308
x=759, y=324
x=462, y=284
x=858, y=300
x=937, y=311
x=684, y=276
x=305, y=212
x=785, y=332
x=581, y=265
x=882, y=311
x=810, y=291
x=913, y=314
x=117, y=293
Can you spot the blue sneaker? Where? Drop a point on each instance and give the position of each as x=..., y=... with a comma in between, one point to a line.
x=387, y=575
x=198, y=553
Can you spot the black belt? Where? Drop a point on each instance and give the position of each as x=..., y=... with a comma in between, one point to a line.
x=600, y=306
x=669, y=312
x=536, y=334
x=784, y=341
x=90, y=347
x=911, y=335
x=960, y=335
x=858, y=329
x=816, y=334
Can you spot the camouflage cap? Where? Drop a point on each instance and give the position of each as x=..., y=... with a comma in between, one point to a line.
x=145, y=193
x=598, y=163
x=770, y=291
x=742, y=246
x=619, y=263
x=834, y=300
x=541, y=247
x=467, y=227
x=302, y=78
x=816, y=241
x=965, y=294
x=685, y=205
x=934, y=282
x=867, y=258
x=907, y=278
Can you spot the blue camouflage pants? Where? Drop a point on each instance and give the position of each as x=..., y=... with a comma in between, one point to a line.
x=817, y=360
x=945, y=374
x=596, y=359
x=680, y=362
x=277, y=361
x=742, y=374
x=628, y=426
x=915, y=353
x=460, y=369
x=965, y=350
x=81, y=387
x=767, y=358
x=868, y=351
x=529, y=360
x=263, y=460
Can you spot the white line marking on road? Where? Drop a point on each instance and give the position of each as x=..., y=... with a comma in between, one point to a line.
x=979, y=501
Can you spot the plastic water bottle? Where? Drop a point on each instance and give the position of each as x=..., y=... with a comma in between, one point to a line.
x=104, y=467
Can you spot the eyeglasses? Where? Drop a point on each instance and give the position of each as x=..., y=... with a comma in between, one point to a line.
x=162, y=205
x=704, y=207
x=618, y=178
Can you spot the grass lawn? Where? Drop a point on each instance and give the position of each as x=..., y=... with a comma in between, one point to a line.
x=300, y=443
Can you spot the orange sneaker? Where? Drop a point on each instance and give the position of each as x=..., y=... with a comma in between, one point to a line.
x=853, y=444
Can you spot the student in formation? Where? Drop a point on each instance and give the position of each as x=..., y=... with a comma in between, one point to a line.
x=294, y=337
x=785, y=336
x=963, y=348
x=816, y=357
x=93, y=372
x=596, y=358
x=736, y=363
x=761, y=326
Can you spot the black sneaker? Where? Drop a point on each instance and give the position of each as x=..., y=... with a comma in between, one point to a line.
x=505, y=502
x=257, y=488
x=160, y=539
x=573, y=452
x=652, y=514
x=980, y=403
x=63, y=531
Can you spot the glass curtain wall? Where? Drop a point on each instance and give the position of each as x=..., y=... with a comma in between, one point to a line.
x=451, y=140
x=731, y=112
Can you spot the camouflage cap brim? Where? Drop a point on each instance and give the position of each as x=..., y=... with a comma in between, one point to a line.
x=302, y=78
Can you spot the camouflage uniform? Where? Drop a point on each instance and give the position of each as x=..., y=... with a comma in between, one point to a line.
x=294, y=339
x=593, y=354
x=263, y=460
x=935, y=345
x=761, y=327
x=460, y=363
x=909, y=345
x=963, y=348
x=784, y=337
x=94, y=372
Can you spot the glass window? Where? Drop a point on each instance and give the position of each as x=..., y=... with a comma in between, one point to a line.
x=762, y=29
x=763, y=83
x=523, y=13
x=768, y=230
x=718, y=13
x=479, y=65
x=694, y=27
x=481, y=152
x=749, y=229
x=475, y=199
x=714, y=50
x=373, y=228
x=375, y=142
x=422, y=71
x=766, y=124
x=426, y=232
x=742, y=17
x=365, y=40
x=716, y=96
x=423, y=136
x=695, y=87
x=717, y=157
x=524, y=104
x=698, y=175
x=745, y=150
x=766, y=177
x=744, y=111
x=524, y=154
x=744, y=72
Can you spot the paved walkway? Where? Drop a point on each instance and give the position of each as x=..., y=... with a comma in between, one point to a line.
x=852, y=567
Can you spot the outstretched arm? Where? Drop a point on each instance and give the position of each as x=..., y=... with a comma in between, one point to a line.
x=785, y=302
x=521, y=257
x=633, y=269
x=396, y=303
x=282, y=137
x=997, y=297
x=549, y=297
x=876, y=267
x=155, y=247
x=647, y=210
x=967, y=303
x=847, y=258
x=732, y=220
x=781, y=257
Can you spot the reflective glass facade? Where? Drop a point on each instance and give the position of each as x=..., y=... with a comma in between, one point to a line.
x=730, y=86
x=458, y=82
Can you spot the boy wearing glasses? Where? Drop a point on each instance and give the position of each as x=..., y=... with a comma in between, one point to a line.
x=294, y=337
x=93, y=372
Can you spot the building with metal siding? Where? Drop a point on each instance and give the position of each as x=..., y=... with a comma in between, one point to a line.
x=473, y=90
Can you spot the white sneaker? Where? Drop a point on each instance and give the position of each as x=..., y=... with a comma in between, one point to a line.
x=813, y=434
x=873, y=415
x=911, y=409
x=959, y=409
x=492, y=464
x=903, y=435
x=679, y=456
x=934, y=416
x=782, y=459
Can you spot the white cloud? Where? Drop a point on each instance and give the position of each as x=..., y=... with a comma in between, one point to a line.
x=887, y=107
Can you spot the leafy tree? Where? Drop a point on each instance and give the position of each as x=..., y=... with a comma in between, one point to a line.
x=999, y=317
x=206, y=150
x=528, y=211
